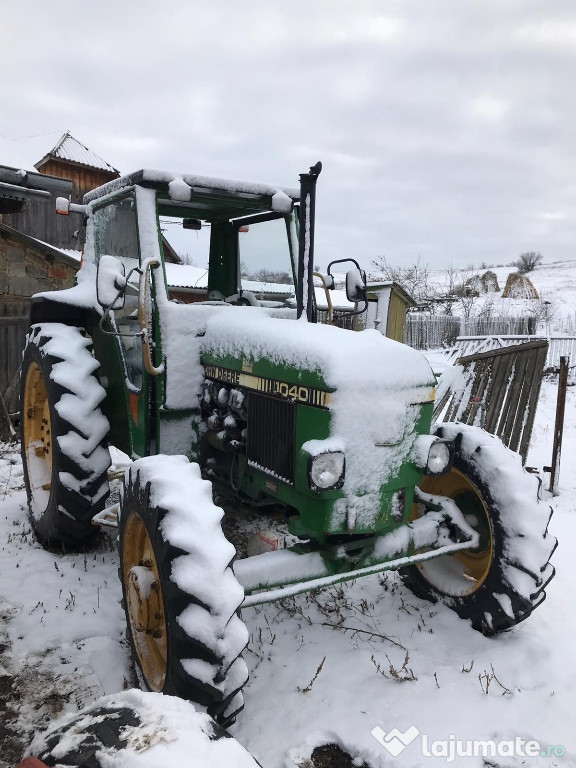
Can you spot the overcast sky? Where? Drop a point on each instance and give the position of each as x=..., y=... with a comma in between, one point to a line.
x=447, y=128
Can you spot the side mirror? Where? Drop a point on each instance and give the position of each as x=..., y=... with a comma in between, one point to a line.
x=356, y=285
x=110, y=282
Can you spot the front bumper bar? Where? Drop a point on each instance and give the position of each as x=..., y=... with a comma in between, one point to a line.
x=275, y=575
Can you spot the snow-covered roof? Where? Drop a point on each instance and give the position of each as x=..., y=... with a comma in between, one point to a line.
x=186, y=276
x=71, y=253
x=338, y=298
x=189, y=277
x=279, y=289
x=181, y=185
x=69, y=148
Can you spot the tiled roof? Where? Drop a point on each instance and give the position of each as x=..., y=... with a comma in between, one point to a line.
x=69, y=148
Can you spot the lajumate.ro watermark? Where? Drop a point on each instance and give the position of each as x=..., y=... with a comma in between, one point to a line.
x=396, y=741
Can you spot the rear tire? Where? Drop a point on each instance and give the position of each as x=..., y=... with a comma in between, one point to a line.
x=498, y=584
x=181, y=597
x=64, y=451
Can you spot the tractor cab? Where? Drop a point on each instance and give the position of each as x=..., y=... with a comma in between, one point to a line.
x=229, y=229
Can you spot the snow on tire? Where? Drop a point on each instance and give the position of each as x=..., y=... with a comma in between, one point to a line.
x=181, y=597
x=498, y=584
x=137, y=729
x=64, y=450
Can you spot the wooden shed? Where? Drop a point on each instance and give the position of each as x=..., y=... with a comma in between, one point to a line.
x=388, y=303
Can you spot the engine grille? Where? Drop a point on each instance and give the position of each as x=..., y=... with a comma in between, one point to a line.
x=270, y=441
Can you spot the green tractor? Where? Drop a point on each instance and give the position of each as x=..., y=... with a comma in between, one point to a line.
x=323, y=433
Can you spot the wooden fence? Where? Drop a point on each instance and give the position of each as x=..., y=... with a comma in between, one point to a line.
x=497, y=390
x=14, y=319
x=425, y=331
x=558, y=346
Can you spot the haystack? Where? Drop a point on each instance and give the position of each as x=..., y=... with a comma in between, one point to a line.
x=519, y=287
x=489, y=283
x=472, y=286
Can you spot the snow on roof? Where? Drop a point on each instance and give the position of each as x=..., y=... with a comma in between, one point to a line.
x=74, y=254
x=276, y=288
x=69, y=148
x=148, y=176
x=71, y=253
x=186, y=276
x=338, y=298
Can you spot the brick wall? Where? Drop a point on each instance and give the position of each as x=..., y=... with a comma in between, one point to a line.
x=23, y=271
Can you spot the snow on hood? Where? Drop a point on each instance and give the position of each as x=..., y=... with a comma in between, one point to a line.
x=343, y=358
x=379, y=385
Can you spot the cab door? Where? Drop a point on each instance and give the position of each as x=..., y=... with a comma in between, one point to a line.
x=118, y=342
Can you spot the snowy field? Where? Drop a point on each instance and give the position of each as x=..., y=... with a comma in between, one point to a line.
x=328, y=667
x=555, y=283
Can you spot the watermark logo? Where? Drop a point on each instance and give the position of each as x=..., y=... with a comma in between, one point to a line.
x=395, y=741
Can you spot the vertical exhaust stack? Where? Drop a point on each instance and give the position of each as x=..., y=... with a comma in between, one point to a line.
x=305, y=287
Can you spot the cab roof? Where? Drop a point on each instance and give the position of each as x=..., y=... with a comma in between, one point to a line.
x=205, y=196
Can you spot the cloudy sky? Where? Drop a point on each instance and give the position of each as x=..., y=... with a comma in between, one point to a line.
x=446, y=127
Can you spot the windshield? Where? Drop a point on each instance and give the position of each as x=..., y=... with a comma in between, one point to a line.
x=229, y=258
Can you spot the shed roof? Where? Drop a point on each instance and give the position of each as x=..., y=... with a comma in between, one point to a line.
x=17, y=187
x=70, y=149
x=30, y=180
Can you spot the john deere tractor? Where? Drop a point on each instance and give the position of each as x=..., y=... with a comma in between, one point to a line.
x=212, y=388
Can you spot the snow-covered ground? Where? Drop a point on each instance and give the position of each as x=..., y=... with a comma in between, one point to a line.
x=333, y=666
x=327, y=667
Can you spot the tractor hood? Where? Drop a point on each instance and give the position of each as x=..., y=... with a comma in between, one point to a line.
x=378, y=390
x=342, y=359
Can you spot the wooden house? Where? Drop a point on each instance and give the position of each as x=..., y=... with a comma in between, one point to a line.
x=70, y=159
x=69, y=170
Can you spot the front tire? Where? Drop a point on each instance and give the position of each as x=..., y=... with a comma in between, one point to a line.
x=181, y=597
x=64, y=452
x=498, y=584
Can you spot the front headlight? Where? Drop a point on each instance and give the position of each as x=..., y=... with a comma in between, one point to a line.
x=439, y=458
x=326, y=471
x=432, y=455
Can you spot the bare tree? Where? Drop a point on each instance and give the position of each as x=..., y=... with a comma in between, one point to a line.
x=415, y=278
x=528, y=261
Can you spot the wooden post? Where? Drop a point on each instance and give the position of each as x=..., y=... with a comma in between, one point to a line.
x=559, y=425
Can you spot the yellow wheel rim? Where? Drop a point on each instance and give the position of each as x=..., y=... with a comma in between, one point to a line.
x=464, y=572
x=144, y=602
x=37, y=437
